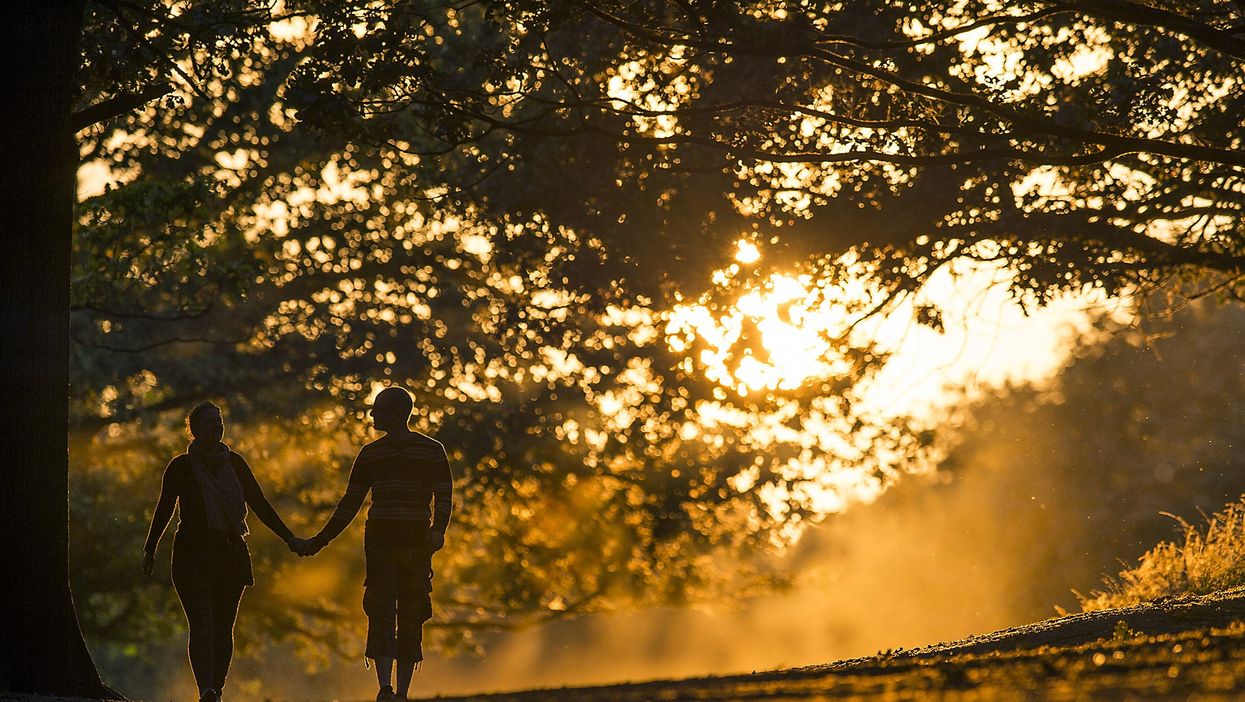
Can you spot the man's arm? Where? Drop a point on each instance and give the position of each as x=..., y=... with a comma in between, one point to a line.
x=349, y=505
x=442, y=502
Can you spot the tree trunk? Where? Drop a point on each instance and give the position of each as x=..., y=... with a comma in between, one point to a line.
x=41, y=645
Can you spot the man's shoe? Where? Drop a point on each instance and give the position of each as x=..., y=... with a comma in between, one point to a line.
x=386, y=694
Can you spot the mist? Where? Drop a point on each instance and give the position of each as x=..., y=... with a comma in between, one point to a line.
x=1044, y=489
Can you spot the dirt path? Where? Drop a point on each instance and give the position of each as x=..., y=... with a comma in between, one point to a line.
x=1188, y=649
x=1179, y=649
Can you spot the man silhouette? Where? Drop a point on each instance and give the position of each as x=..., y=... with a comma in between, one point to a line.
x=408, y=475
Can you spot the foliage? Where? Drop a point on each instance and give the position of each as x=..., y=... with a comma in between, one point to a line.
x=1209, y=559
x=1080, y=145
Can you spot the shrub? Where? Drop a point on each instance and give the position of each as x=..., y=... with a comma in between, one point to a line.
x=1207, y=561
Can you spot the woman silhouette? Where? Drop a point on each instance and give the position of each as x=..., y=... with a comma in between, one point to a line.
x=211, y=564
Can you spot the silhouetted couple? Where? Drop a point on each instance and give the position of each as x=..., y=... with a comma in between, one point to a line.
x=408, y=475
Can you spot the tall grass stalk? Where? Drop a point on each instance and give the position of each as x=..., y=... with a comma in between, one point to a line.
x=1208, y=560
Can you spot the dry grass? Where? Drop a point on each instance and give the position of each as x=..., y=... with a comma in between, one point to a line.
x=1209, y=559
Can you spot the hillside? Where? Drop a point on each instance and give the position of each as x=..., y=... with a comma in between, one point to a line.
x=1190, y=648
x=1186, y=648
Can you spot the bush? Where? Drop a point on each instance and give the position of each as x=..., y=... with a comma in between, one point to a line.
x=1208, y=561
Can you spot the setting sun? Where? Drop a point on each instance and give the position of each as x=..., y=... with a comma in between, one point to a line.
x=776, y=336
x=747, y=252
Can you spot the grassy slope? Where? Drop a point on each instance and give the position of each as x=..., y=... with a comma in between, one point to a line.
x=1186, y=648
x=1179, y=648
x=1186, y=642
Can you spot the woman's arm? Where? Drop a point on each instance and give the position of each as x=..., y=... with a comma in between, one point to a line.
x=257, y=501
x=160, y=518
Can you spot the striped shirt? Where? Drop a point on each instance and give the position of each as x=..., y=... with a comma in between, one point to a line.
x=409, y=478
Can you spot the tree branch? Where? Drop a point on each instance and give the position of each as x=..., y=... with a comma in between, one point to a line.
x=1038, y=124
x=117, y=105
x=1224, y=41
x=1094, y=227
x=946, y=33
x=1038, y=155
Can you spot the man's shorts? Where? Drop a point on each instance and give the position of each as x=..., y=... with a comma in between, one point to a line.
x=397, y=597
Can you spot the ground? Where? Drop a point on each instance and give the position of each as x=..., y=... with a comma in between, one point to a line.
x=1190, y=648
x=1186, y=649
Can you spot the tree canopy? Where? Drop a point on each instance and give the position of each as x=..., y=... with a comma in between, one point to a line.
x=1080, y=144
x=525, y=212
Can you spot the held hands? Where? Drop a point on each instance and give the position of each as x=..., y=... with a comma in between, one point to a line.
x=296, y=544
x=305, y=547
x=312, y=546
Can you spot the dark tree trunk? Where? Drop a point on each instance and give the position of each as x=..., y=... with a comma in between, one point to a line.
x=41, y=646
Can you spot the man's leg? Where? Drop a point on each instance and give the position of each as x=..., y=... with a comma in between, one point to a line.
x=414, y=608
x=380, y=605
